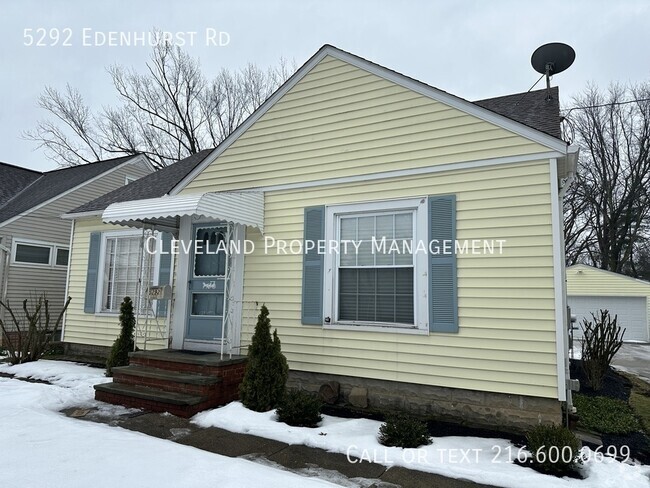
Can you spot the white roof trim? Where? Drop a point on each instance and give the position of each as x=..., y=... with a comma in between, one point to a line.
x=397, y=78
x=246, y=208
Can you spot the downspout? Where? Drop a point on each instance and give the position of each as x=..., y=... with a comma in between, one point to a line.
x=572, y=164
x=67, y=277
x=5, y=272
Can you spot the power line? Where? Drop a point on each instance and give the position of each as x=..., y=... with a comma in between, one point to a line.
x=636, y=100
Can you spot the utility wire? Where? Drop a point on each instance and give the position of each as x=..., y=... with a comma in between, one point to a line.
x=637, y=100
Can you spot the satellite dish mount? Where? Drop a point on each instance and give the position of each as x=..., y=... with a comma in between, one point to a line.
x=551, y=59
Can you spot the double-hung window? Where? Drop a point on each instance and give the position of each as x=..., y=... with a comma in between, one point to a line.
x=373, y=272
x=124, y=265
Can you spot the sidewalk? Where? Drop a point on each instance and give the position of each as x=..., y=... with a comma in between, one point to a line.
x=301, y=459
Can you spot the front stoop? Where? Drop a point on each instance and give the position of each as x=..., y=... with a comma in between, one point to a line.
x=178, y=382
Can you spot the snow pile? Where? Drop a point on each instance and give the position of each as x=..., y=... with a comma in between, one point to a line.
x=488, y=461
x=41, y=447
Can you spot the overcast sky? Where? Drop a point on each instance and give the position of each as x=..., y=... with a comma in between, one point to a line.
x=473, y=49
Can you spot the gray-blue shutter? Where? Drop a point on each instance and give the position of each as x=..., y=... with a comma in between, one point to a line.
x=92, y=273
x=312, y=268
x=164, y=270
x=443, y=288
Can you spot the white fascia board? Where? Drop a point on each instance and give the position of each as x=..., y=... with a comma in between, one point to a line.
x=523, y=130
x=81, y=215
x=70, y=190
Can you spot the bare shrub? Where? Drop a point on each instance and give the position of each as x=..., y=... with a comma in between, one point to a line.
x=31, y=332
x=602, y=338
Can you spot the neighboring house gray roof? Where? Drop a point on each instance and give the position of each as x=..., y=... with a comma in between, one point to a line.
x=50, y=184
x=153, y=185
x=531, y=108
x=13, y=179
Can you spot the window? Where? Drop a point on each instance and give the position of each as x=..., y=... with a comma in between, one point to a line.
x=375, y=280
x=123, y=262
x=32, y=254
x=38, y=254
x=129, y=179
x=62, y=256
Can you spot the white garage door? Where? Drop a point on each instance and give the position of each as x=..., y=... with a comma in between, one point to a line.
x=631, y=312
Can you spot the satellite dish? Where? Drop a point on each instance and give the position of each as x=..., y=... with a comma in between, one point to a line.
x=552, y=58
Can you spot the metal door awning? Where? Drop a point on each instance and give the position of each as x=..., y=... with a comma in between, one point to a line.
x=163, y=213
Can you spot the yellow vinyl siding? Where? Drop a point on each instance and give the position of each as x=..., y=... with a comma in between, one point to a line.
x=586, y=281
x=81, y=327
x=506, y=341
x=342, y=121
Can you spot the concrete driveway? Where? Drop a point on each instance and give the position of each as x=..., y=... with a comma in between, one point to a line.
x=634, y=358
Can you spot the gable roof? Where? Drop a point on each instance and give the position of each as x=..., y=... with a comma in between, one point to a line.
x=13, y=179
x=512, y=122
x=51, y=184
x=613, y=274
x=154, y=185
x=530, y=108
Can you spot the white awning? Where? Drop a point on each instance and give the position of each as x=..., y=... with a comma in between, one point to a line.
x=241, y=207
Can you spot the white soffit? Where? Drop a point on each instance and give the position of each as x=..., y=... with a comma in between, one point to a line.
x=241, y=207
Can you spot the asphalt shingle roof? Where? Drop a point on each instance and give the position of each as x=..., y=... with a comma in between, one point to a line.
x=13, y=179
x=51, y=184
x=153, y=185
x=531, y=108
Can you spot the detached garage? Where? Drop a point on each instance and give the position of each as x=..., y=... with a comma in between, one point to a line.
x=591, y=289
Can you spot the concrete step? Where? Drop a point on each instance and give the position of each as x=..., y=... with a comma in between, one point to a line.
x=167, y=380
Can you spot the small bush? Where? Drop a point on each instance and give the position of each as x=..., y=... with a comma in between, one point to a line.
x=124, y=344
x=605, y=415
x=602, y=338
x=266, y=369
x=404, y=431
x=555, y=449
x=27, y=335
x=300, y=409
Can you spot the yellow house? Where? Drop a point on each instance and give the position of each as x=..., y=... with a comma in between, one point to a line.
x=591, y=289
x=461, y=314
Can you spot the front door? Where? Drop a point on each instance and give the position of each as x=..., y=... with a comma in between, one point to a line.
x=207, y=276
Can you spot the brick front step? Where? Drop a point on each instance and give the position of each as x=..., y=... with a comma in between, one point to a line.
x=186, y=362
x=177, y=382
x=180, y=404
x=166, y=380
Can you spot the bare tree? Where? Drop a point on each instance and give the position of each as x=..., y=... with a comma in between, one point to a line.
x=607, y=210
x=167, y=112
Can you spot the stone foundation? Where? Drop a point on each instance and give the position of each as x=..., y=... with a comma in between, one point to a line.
x=499, y=411
x=74, y=349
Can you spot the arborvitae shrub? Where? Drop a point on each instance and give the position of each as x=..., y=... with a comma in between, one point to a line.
x=300, y=409
x=555, y=448
x=266, y=370
x=124, y=343
x=404, y=431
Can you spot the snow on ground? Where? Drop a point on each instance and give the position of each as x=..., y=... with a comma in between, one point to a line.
x=482, y=460
x=41, y=447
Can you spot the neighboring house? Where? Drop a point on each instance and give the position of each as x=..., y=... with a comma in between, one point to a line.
x=349, y=150
x=591, y=289
x=35, y=241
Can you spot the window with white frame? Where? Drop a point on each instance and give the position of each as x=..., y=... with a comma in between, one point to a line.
x=27, y=252
x=375, y=279
x=124, y=264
